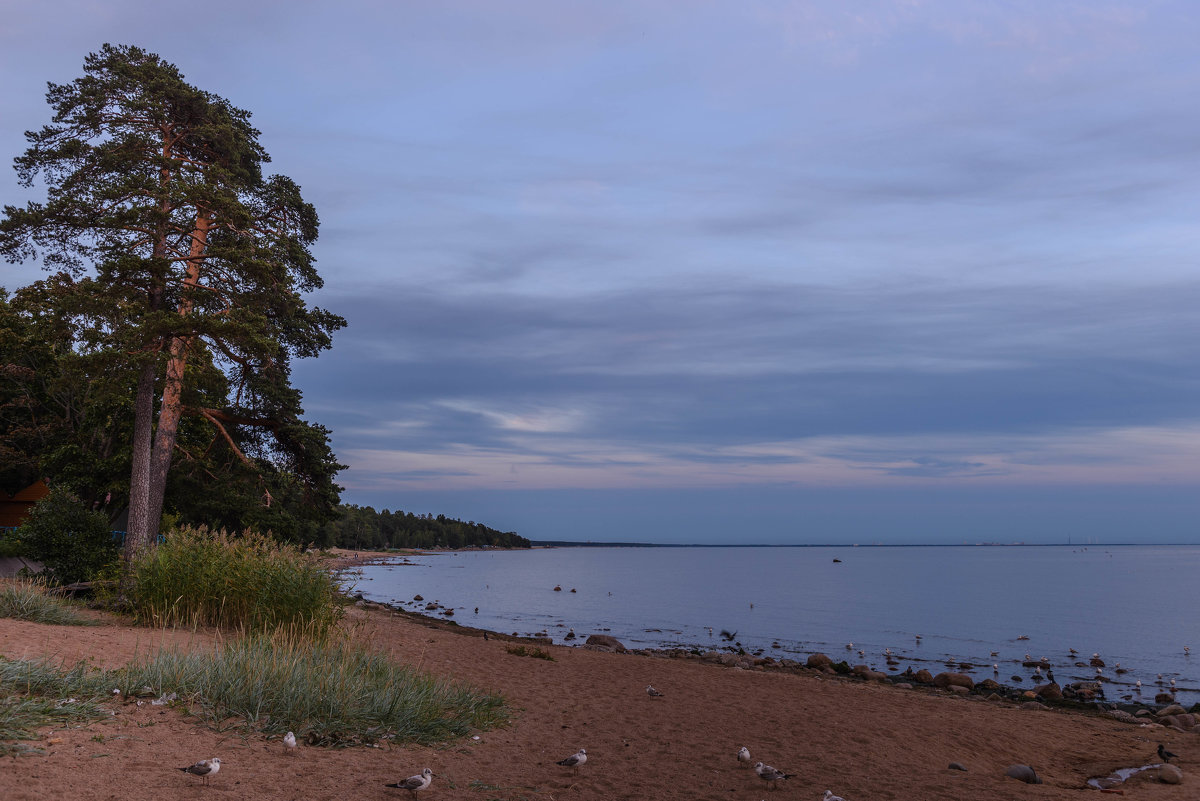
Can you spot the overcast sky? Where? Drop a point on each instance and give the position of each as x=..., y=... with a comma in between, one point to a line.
x=758, y=271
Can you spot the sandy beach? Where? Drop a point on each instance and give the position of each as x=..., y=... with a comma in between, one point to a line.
x=865, y=741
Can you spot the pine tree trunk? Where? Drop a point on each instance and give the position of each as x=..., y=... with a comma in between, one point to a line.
x=138, y=535
x=171, y=410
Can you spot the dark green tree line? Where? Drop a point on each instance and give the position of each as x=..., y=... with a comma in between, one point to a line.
x=363, y=528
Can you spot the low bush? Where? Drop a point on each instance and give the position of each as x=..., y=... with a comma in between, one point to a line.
x=248, y=582
x=71, y=542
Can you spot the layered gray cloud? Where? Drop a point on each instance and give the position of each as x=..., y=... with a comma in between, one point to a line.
x=755, y=256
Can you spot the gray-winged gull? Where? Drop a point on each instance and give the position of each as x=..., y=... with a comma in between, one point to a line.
x=829, y=796
x=769, y=774
x=574, y=760
x=204, y=768
x=413, y=783
x=653, y=693
x=289, y=742
x=743, y=756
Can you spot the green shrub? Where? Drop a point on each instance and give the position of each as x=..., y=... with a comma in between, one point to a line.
x=10, y=544
x=248, y=582
x=71, y=542
x=28, y=600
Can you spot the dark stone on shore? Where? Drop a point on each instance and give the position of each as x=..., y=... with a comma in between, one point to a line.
x=954, y=680
x=1169, y=774
x=956, y=766
x=1023, y=773
x=1033, y=705
x=923, y=676
x=1097, y=662
x=557, y=588
x=957, y=689
x=604, y=642
x=990, y=685
x=1173, y=709
x=1164, y=698
x=418, y=598
x=1050, y=692
x=819, y=661
x=1186, y=721
x=1016, y=678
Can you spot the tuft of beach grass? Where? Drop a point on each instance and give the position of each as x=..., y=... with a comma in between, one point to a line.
x=28, y=599
x=328, y=692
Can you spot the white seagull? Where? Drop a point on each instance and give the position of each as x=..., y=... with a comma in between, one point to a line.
x=653, y=693
x=289, y=742
x=204, y=768
x=574, y=760
x=743, y=756
x=769, y=774
x=413, y=783
x=829, y=796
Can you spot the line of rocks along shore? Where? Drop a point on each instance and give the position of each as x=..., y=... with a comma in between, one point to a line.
x=1085, y=696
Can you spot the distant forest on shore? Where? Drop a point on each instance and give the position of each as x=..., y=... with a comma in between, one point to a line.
x=363, y=528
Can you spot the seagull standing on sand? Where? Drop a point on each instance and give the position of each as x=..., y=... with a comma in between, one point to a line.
x=414, y=783
x=829, y=796
x=574, y=760
x=653, y=693
x=209, y=767
x=1165, y=755
x=743, y=756
x=289, y=743
x=769, y=774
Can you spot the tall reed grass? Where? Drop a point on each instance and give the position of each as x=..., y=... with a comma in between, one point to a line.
x=247, y=582
x=28, y=599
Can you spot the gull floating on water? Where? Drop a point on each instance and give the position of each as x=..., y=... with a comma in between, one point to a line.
x=414, y=783
x=653, y=693
x=829, y=796
x=209, y=767
x=743, y=756
x=574, y=760
x=769, y=774
x=289, y=742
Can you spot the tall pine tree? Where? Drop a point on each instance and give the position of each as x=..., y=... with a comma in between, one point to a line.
x=170, y=248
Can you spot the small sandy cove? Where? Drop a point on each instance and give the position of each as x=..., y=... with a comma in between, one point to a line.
x=865, y=741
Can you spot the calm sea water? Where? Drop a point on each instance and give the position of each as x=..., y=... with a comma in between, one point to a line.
x=1133, y=605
